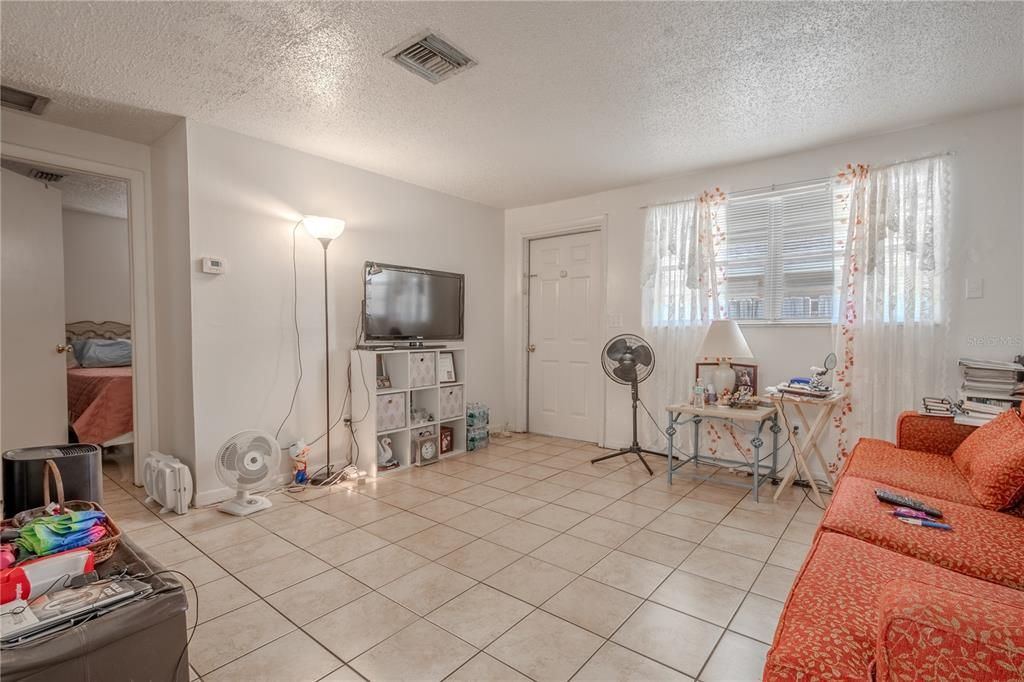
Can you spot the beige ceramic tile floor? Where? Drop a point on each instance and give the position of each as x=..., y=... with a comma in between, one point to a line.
x=519, y=561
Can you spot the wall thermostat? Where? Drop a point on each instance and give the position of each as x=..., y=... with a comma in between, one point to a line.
x=213, y=266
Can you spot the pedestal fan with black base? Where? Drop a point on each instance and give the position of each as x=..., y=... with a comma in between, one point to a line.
x=628, y=359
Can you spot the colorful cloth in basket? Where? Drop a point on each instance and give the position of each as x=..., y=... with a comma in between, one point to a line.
x=52, y=534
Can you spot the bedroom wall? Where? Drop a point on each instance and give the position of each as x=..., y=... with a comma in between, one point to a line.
x=97, y=269
x=245, y=197
x=988, y=235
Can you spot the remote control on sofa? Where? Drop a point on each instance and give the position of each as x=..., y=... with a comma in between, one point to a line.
x=901, y=501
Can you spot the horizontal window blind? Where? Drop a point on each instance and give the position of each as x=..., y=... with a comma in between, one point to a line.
x=781, y=254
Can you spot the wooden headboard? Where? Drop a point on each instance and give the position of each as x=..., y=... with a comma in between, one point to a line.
x=89, y=329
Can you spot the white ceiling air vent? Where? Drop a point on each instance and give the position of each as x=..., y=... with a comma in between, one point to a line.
x=45, y=175
x=13, y=98
x=431, y=57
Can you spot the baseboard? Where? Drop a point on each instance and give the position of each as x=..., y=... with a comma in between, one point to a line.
x=214, y=496
x=208, y=497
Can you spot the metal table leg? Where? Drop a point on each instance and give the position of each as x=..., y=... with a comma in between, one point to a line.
x=671, y=432
x=756, y=442
x=696, y=442
x=775, y=429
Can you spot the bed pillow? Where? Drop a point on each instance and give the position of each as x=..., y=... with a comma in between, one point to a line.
x=992, y=461
x=103, y=352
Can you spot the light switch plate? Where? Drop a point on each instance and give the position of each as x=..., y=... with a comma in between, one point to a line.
x=974, y=287
x=614, y=321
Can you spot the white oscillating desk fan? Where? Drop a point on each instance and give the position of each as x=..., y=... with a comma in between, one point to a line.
x=246, y=462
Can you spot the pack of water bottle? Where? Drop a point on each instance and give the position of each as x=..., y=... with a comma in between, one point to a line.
x=478, y=417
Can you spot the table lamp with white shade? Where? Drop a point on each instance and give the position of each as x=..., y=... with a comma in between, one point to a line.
x=723, y=344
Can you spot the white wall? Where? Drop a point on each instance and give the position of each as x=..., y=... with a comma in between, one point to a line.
x=244, y=198
x=97, y=268
x=988, y=235
x=173, y=314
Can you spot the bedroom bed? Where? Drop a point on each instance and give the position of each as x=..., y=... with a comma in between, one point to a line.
x=100, y=403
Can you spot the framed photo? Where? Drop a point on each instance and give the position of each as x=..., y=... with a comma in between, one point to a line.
x=446, y=367
x=746, y=375
x=383, y=380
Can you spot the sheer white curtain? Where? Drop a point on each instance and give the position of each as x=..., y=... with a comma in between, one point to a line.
x=682, y=294
x=891, y=333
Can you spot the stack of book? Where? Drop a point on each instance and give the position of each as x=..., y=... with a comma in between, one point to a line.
x=988, y=388
x=939, y=407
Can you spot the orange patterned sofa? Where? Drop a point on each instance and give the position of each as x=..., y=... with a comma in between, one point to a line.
x=877, y=599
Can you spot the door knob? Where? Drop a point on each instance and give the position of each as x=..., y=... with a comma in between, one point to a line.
x=531, y=348
x=63, y=347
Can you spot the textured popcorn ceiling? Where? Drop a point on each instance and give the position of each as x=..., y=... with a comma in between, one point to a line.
x=81, y=191
x=568, y=98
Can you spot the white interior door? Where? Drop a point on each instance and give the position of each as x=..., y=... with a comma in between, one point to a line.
x=566, y=281
x=33, y=395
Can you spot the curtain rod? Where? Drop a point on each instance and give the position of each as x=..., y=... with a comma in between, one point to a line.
x=772, y=188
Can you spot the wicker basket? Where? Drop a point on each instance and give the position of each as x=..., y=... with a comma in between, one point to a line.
x=103, y=548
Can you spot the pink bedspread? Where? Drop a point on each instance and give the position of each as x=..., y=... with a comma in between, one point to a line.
x=100, y=402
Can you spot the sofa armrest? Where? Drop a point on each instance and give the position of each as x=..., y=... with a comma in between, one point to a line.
x=927, y=433
x=930, y=632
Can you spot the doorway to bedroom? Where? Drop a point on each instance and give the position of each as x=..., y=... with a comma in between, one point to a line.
x=67, y=312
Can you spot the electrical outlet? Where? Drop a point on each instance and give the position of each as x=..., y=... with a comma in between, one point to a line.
x=974, y=287
x=614, y=321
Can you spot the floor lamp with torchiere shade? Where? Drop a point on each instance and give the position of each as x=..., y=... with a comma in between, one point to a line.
x=325, y=230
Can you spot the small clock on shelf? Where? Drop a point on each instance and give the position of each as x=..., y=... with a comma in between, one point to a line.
x=424, y=449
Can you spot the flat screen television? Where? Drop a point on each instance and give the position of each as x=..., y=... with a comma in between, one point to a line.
x=412, y=304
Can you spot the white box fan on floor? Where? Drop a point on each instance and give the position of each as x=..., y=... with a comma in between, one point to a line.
x=167, y=481
x=247, y=462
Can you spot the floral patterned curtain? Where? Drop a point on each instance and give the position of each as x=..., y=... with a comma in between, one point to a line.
x=891, y=333
x=683, y=291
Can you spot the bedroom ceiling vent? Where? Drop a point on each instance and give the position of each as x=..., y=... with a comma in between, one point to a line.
x=431, y=57
x=45, y=176
x=12, y=98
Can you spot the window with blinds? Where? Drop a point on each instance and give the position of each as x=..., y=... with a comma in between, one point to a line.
x=781, y=255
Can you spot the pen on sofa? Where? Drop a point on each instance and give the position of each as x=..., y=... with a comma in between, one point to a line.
x=923, y=522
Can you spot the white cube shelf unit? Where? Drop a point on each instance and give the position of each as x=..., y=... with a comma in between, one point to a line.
x=415, y=401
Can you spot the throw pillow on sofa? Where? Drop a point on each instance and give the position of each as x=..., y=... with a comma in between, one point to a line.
x=992, y=461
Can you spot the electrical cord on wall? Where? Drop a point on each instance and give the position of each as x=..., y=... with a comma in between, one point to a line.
x=298, y=336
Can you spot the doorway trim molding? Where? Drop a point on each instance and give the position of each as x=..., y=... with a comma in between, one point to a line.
x=140, y=233
x=521, y=313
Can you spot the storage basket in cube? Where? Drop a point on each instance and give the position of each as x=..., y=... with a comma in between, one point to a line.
x=451, y=402
x=422, y=371
x=391, y=411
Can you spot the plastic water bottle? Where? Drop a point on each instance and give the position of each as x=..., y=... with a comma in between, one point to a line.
x=698, y=394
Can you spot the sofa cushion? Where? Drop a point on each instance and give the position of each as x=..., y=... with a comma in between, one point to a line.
x=983, y=544
x=830, y=624
x=992, y=461
x=922, y=472
x=968, y=636
x=929, y=433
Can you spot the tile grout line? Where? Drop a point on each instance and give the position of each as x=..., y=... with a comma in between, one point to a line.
x=635, y=487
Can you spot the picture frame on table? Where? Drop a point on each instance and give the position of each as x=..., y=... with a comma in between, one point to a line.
x=446, y=367
x=745, y=374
